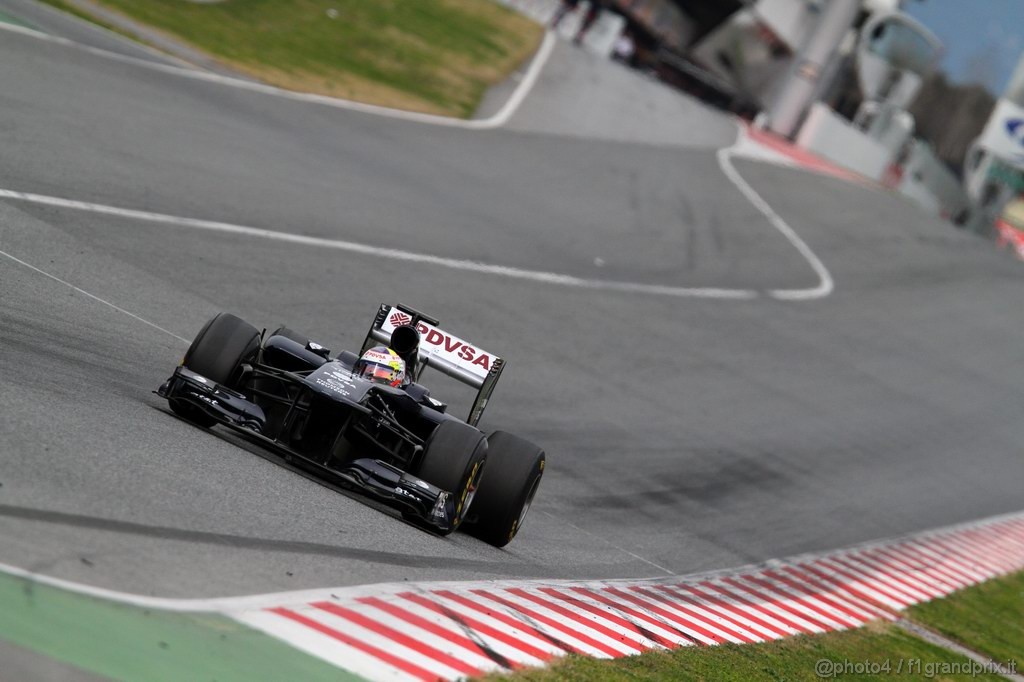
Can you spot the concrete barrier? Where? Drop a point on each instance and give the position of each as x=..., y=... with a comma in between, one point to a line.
x=832, y=137
x=928, y=181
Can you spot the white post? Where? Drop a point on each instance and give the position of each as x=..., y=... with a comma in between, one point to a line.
x=803, y=84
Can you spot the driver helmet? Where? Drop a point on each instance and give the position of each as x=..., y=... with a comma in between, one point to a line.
x=381, y=365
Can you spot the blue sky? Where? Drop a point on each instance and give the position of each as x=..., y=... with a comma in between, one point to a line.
x=983, y=38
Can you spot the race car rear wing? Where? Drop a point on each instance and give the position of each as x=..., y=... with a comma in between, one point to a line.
x=448, y=354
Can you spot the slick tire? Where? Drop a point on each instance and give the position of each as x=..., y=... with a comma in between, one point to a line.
x=514, y=469
x=217, y=352
x=453, y=459
x=290, y=334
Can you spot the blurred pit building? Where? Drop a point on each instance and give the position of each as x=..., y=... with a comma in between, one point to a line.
x=838, y=78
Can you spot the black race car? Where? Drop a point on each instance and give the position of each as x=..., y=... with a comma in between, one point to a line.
x=399, y=445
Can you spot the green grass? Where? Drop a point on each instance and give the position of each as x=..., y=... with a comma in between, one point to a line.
x=130, y=643
x=437, y=56
x=126, y=642
x=884, y=646
x=988, y=618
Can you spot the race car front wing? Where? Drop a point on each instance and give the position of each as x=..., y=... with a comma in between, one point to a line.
x=418, y=500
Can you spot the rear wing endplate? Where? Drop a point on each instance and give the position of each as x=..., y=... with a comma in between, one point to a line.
x=447, y=354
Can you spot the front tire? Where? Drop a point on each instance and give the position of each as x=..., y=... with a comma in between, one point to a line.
x=288, y=333
x=453, y=459
x=514, y=469
x=217, y=353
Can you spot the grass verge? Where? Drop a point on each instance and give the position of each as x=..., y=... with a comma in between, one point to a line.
x=988, y=618
x=130, y=643
x=872, y=652
x=436, y=56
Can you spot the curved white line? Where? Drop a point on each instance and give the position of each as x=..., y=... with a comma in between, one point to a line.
x=381, y=252
x=499, y=119
x=103, y=30
x=502, y=116
x=826, y=284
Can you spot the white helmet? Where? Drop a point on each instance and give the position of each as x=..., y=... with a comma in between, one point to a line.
x=381, y=365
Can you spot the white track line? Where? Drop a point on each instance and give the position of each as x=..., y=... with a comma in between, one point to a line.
x=92, y=296
x=112, y=35
x=822, y=290
x=380, y=252
x=389, y=590
x=372, y=629
x=499, y=119
x=826, y=283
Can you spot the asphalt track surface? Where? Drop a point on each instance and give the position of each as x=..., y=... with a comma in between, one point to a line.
x=683, y=434
x=54, y=22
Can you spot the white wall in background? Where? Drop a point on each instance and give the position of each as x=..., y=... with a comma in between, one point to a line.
x=930, y=183
x=831, y=136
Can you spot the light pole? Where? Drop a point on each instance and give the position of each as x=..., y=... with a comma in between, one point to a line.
x=803, y=81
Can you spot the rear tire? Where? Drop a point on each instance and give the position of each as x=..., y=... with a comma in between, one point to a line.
x=217, y=352
x=453, y=459
x=514, y=469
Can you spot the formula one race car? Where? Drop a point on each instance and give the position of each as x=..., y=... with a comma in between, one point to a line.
x=389, y=438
